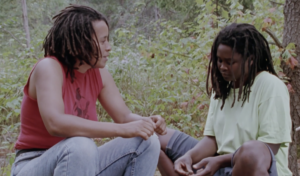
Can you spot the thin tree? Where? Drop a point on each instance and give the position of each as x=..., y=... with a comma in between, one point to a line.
x=25, y=22
x=291, y=69
x=291, y=34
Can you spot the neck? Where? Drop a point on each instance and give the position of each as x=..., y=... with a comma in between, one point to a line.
x=236, y=84
x=82, y=68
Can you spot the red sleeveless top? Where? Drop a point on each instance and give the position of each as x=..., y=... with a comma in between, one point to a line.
x=79, y=99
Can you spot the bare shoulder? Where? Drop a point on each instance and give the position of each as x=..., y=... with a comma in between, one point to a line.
x=106, y=76
x=47, y=65
x=104, y=71
x=47, y=71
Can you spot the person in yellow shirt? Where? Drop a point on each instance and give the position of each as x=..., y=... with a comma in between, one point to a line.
x=247, y=132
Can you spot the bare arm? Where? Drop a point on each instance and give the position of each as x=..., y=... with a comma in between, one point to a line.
x=225, y=160
x=48, y=78
x=208, y=147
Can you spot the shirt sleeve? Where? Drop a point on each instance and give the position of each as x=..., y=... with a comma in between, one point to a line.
x=274, y=119
x=209, y=130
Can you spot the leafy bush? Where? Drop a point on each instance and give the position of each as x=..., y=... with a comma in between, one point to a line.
x=162, y=74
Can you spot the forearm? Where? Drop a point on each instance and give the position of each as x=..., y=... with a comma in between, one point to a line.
x=206, y=147
x=132, y=117
x=70, y=126
x=225, y=160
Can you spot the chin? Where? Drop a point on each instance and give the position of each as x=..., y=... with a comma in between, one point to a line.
x=227, y=79
x=100, y=64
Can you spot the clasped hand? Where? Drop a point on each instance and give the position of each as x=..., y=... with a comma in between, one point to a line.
x=145, y=127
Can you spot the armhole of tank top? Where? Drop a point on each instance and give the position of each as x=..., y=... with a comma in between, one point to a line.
x=26, y=87
x=99, y=78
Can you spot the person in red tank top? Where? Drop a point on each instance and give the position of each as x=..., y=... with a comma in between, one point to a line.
x=58, y=113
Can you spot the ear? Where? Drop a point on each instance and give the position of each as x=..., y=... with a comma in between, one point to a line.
x=251, y=57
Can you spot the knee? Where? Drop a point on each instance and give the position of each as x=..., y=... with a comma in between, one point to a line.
x=252, y=152
x=154, y=143
x=82, y=147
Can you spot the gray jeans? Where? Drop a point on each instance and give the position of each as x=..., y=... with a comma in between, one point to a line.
x=180, y=143
x=79, y=156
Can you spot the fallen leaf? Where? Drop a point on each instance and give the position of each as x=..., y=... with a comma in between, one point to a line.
x=184, y=105
x=192, y=100
x=281, y=74
x=290, y=88
x=202, y=106
x=187, y=71
x=292, y=62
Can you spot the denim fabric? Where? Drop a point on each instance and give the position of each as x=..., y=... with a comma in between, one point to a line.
x=79, y=156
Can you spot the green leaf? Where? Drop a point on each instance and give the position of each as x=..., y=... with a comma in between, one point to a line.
x=290, y=46
x=200, y=2
x=224, y=14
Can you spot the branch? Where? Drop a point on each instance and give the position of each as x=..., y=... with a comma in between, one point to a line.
x=25, y=21
x=174, y=52
x=272, y=43
x=273, y=36
x=13, y=36
x=276, y=2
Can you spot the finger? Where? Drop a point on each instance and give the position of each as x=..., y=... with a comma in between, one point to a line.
x=189, y=169
x=149, y=131
x=161, y=132
x=203, y=172
x=148, y=126
x=200, y=165
x=180, y=168
x=199, y=171
x=164, y=129
x=154, y=118
x=144, y=135
x=150, y=122
x=159, y=121
x=158, y=131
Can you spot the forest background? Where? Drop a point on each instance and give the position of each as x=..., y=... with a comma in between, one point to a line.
x=159, y=58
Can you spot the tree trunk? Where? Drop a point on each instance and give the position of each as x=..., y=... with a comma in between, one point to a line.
x=292, y=35
x=25, y=22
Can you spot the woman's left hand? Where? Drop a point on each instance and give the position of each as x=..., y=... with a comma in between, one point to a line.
x=207, y=167
x=160, y=124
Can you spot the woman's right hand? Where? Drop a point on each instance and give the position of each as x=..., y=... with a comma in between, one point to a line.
x=183, y=165
x=143, y=128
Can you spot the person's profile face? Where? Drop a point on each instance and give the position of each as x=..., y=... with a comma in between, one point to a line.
x=230, y=65
x=102, y=33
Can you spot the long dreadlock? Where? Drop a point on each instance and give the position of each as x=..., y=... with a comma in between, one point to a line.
x=73, y=38
x=247, y=41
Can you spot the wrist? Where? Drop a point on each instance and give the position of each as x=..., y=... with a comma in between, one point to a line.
x=189, y=154
x=224, y=160
x=119, y=130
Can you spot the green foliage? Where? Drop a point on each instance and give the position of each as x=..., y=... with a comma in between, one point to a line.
x=159, y=65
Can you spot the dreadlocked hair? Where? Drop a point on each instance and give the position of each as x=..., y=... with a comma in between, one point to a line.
x=72, y=37
x=252, y=45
